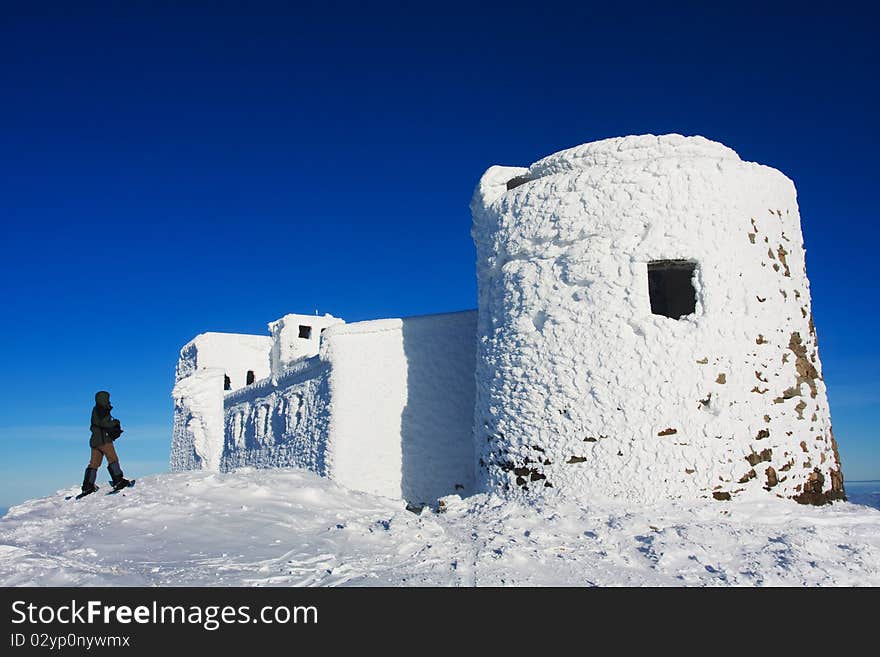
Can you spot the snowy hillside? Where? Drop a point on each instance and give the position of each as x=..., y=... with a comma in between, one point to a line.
x=290, y=527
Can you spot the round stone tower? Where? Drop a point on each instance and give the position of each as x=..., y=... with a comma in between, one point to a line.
x=645, y=328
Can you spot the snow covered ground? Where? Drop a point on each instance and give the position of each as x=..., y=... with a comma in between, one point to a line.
x=290, y=527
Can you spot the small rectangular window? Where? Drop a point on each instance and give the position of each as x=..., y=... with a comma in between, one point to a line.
x=671, y=287
x=305, y=332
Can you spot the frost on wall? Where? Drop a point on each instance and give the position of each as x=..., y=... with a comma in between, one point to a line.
x=197, y=438
x=280, y=424
x=583, y=390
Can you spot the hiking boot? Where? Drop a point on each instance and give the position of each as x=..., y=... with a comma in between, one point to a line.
x=120, y=483
x=88, y=485
x=117, y=480
x=89, y=478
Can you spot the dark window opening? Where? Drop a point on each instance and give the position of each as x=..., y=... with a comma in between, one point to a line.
x=671, y=287
x=305, y=332
x=250, y=377
x=516, y=181
x=227, y=384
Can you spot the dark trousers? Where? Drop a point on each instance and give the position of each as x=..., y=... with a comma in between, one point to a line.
x=98, y=454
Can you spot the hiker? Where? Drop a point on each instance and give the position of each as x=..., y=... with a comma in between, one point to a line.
x=105, y=429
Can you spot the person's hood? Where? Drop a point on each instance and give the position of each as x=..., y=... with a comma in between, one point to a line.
x=102, y=399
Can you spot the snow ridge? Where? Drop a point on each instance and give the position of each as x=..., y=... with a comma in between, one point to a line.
x=292, y=528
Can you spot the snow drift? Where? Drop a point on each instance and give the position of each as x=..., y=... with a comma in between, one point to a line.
x=290, y=527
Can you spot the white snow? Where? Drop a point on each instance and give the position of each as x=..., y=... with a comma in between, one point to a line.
x=290, y=527
x=583, y=391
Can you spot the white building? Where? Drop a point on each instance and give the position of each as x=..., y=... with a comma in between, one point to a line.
x=643, y=331
x=383, y=406
x=645, y=328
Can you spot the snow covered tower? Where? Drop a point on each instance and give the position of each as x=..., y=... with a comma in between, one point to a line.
x=297, y=336
x=645, y=328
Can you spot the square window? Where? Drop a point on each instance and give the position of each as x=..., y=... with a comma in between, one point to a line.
x=305, y=332
x=671, y=287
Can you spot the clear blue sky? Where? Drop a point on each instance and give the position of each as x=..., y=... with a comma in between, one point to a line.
x=166, y=171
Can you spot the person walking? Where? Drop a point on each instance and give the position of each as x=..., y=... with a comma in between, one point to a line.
x=105, y=429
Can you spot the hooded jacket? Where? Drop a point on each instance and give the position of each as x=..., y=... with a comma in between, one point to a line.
x=105, y=428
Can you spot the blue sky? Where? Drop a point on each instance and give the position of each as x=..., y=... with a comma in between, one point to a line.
x=172, y=168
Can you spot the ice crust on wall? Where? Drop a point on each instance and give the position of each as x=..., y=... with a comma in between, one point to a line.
x=279, y=423
x=583, y=391
x=197, y=439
